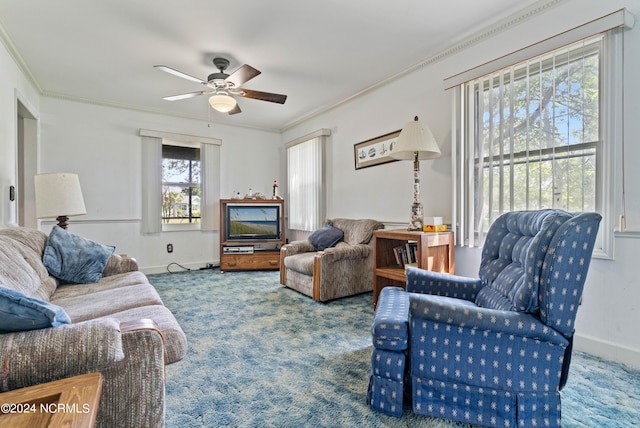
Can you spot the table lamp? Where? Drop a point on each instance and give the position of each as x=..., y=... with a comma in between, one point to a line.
x=416, y=142
x=58, y=195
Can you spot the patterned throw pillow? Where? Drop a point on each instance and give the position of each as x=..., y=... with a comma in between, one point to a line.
x=18, y=312
x=73, y=258
x=325, y=237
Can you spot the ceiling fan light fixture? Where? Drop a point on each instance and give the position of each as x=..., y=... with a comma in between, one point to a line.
x=222, y=103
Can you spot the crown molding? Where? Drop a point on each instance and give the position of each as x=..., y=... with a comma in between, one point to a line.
x=17, y=58
x=467, y=42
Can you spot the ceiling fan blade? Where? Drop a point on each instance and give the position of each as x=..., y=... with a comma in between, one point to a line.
x=242, y=75
x=187, y=95
x=179, y=74
x=235, y=110
x=263, y=96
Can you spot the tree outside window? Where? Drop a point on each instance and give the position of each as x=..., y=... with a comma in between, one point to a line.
x=181, y=194
x=537, y=134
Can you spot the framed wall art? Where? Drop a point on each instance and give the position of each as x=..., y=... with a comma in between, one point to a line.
x=375, y=151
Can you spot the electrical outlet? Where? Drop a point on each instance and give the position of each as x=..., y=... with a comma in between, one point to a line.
x=169, y=248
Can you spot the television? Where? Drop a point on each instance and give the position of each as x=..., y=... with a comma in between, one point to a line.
x=253, y=222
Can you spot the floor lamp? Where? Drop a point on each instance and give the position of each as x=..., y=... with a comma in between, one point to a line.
x=58, y=195
x=416, y=143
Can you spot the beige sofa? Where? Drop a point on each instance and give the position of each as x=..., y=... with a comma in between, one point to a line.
x=342, y=270
x=120, y=328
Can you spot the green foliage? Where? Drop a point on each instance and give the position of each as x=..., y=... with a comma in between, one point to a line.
x=538, y=135
x=180, y=190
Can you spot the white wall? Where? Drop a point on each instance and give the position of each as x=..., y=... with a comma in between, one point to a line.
x=101, y=144
x=607, y=320
x=13, y=86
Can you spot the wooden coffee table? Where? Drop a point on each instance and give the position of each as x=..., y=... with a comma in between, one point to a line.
x=71, y=402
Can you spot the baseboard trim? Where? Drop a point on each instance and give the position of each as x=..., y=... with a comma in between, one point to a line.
x=607, y=350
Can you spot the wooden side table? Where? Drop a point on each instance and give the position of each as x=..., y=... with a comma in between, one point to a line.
x=435, y=251
x=71, y=402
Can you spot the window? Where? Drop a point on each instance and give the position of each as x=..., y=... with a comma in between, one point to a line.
x=305, y=181
x=180, y=184
x=536, y=135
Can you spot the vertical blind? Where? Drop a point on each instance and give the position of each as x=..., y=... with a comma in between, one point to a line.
x=305, y=184
x=535, y=135
x=537, y=128
x=210, y=186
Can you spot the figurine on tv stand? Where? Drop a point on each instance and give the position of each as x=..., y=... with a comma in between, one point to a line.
x=254, y=195
x=275, y=190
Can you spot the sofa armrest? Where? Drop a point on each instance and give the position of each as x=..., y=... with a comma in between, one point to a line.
x=291, y=249
x=297, y=247
x=442, y=284
x=144, y=324
x=119, y=264
x=344, y=251
x=458, y=313
x=141, y=324
x=38, y=356
x=134, y=388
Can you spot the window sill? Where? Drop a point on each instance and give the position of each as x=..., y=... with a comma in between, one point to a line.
x=634, y=234
x=181, y=227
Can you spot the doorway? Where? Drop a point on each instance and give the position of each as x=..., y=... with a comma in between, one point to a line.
x=27, y=148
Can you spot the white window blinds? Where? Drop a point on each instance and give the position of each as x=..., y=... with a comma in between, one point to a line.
x=539, y=132
x=306, y=181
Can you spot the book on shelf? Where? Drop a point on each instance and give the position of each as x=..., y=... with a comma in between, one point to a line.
x=400, y=255
x=406, y=254
x=397, y=256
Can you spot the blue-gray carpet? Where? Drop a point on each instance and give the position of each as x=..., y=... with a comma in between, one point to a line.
x=261, y=355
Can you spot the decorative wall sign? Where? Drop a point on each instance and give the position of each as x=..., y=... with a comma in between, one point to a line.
x=375, y=151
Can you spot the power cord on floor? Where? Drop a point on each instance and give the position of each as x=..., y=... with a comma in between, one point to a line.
x=177, y=264
x=208, y=266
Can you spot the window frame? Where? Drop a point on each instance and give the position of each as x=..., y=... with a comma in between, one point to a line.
x=151, y=169
x=189, y=185
x=610, y=136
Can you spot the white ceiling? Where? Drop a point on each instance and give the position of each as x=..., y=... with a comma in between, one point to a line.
x=317, y=52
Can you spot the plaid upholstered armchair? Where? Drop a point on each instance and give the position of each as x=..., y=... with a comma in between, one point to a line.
x=343, y=269
x=494, y=350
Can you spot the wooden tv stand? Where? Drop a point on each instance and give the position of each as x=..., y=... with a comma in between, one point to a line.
x=265, y=254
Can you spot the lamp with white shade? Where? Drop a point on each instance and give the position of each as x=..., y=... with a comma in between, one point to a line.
x=59, y=195
x=416, y=143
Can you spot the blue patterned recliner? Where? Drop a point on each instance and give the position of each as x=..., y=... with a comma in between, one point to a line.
x=495, y=350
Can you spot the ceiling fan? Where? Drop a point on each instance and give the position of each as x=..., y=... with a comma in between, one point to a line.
x=222, y=86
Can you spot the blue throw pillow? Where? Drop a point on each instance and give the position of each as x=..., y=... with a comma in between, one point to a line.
x=325, y=237
x=19, y=312
x=73, y=258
